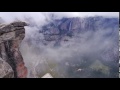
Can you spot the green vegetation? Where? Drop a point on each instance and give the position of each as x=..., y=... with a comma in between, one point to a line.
x=97, y=66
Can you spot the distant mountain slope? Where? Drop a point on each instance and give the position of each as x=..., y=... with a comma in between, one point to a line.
x=69, y=27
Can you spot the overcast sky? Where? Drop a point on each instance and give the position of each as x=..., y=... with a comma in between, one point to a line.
x=10, y=16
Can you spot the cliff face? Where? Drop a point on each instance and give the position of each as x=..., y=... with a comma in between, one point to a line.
x=10, y=38
x=59, y=30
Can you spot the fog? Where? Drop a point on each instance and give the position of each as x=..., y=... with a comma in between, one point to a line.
x=40, y=18
x=78, y=53
x=89, y=45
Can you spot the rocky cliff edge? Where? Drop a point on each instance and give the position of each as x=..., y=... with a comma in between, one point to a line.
x=11, y=36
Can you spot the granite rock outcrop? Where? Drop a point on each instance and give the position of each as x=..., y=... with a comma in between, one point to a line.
x=11, y=36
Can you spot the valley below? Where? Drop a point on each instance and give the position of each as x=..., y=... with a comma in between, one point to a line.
x=73, y=48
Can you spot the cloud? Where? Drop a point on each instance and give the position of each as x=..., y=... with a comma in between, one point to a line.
x=37, y=19
x=89, y=45
x=84, y=14
x=78, y=48
x=40, y=17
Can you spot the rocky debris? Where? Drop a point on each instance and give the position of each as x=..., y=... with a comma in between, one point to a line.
x=11, y=36
x=5, y=70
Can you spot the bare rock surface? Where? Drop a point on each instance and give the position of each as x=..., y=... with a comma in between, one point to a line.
x=11, y=36
x=5, y=70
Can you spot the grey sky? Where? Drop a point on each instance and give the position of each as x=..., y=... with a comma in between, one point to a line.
x=41, y=16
